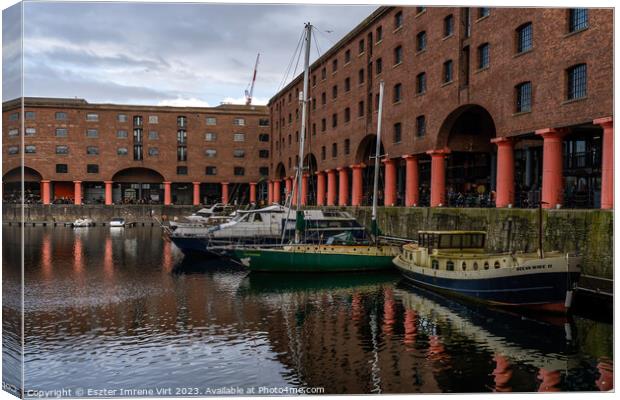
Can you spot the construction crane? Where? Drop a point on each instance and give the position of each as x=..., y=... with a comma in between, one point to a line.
x=248, y=93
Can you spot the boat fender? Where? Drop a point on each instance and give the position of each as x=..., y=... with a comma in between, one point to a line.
x=569, y=299
x=568, y=331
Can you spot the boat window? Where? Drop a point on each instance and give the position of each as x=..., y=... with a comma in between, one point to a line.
x=475, y=266
x=496, y=265
x=450, y=266
x=486, y=265
x=466, y=241
x=445, y=241
x=464, y=265
x=435, y=264
x=258, y=218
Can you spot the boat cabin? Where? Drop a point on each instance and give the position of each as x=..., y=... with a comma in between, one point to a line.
x=455, y=240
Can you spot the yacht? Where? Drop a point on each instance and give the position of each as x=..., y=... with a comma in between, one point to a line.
x=270, y=225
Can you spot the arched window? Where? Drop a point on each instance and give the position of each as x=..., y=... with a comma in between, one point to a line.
x=450, y=266
x=464, y=265
x=496, y=265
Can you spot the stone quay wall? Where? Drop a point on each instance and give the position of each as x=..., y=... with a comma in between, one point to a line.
x=587, y=232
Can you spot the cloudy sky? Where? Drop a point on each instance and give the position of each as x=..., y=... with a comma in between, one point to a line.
x=159, y=53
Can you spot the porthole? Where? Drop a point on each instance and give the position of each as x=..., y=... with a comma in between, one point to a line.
x=486, y=265
x=475, y=266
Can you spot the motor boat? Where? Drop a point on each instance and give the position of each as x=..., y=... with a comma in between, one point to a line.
x=117, y=222
x=82, y=223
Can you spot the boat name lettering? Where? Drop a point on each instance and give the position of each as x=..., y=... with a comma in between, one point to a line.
x=529, y=267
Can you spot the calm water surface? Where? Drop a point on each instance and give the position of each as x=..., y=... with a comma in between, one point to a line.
x=122, y=309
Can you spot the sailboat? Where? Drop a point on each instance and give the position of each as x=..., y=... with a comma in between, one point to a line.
x=338, y=254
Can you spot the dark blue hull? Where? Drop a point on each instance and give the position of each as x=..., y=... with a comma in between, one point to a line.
x=542, y=290
x=198, y=246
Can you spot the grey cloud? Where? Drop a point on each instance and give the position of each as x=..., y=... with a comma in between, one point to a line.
x=205, y=49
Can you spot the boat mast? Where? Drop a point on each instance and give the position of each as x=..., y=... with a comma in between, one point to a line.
x=373, y=227
x=299, y=218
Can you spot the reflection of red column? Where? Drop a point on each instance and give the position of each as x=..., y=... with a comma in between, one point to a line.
x=108, y=193
x=46, y=256
x=412, y=181
x=108, y=262
x=77, y=192
x=607, y=163
x=505, y=193
x=269, y=192
x=331, y=187
x=552, y=179
x=436, y=349
x=167, y=257
x=304, y=189
x=45, y=191
x=276, y=191
x=389, y=313
x=502, y=374
x=167, y=194
x=410, y=328
x=320, y=188
x=343, y=186
x=389, y=193
x=357, y=187
x=225, y=192
x=550, y=380
x=605, y=382
x=78, y=264
x=438, y=176
x=252, y=192
x=196, y=193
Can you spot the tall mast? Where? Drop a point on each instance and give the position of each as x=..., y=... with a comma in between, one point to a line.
x=374, y=228
x=299, y=220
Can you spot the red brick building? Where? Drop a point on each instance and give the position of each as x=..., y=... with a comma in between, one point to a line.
x=481, y=106
x=104, y=153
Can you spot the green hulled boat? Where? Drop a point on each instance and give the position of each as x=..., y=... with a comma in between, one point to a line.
x=339, y=254
x=318, y=258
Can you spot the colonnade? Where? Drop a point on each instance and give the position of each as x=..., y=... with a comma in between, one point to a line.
x=331, y=193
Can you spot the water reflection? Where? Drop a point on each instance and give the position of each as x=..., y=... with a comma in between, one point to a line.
x=123, y=308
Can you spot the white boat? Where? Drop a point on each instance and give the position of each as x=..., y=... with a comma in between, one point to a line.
x=117, y=222
x=456, y=263
x=214, y=215
x=271, y=225
x=82, y=223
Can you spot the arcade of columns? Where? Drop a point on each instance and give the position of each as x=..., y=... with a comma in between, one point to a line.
x=46, y=192
x=552, y=179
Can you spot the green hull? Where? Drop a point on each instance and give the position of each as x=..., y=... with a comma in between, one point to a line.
x=278, y=260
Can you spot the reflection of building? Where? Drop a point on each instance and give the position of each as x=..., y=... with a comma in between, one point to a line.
x=105, y=153
x=512, y=100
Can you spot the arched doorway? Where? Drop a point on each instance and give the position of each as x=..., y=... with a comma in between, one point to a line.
x=310, y=166
x=470, y=172
x=12, y=186
x=139, y=185
x=365, y=154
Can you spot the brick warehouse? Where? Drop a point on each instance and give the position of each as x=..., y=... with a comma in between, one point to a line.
x=482, y=106
x=105, y=153
x=478, y=101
